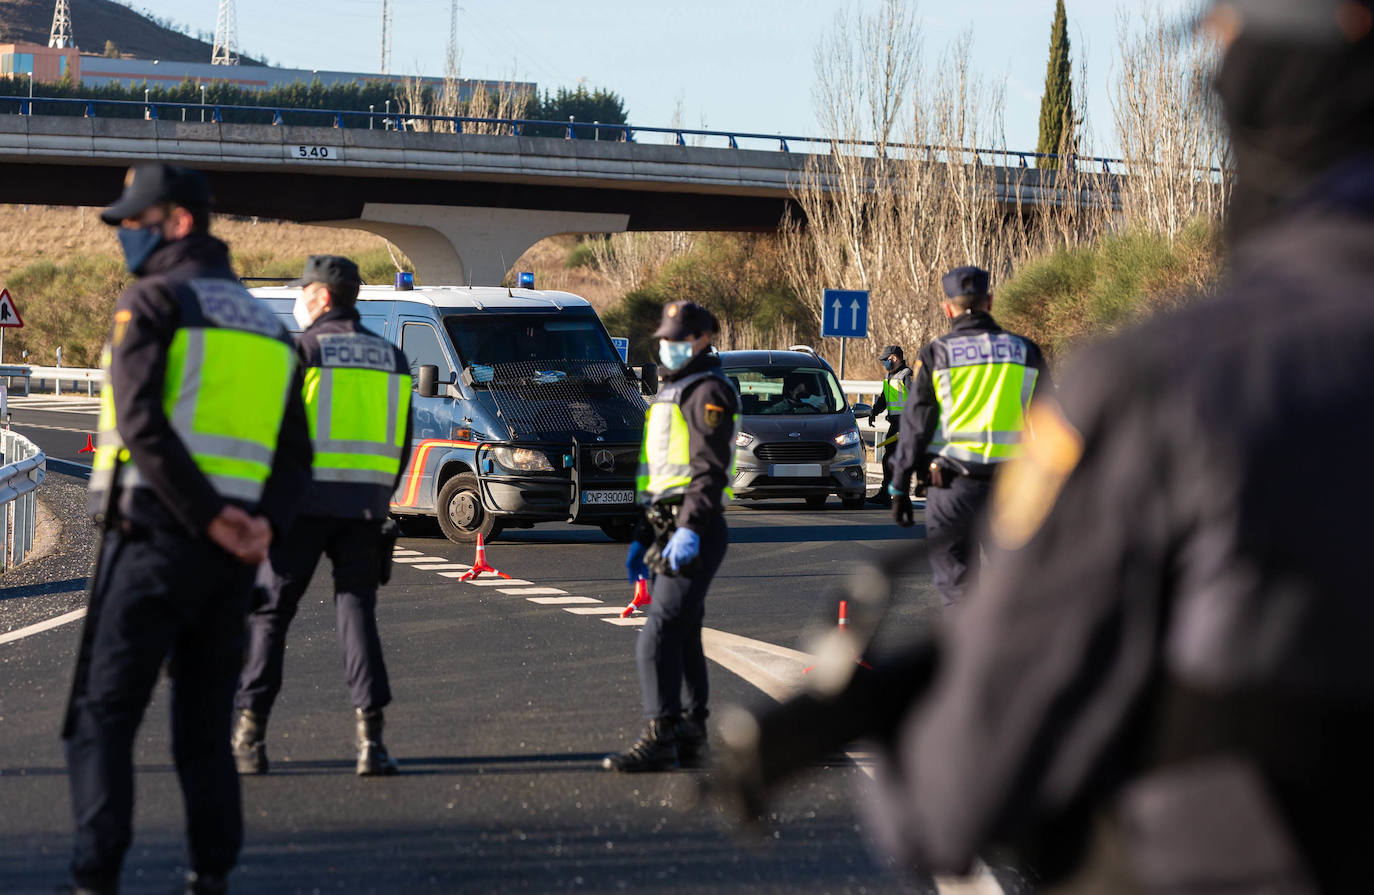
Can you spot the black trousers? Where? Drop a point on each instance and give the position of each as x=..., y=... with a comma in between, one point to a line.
x=669, y=652
x=162, y=596
x=953, y=515
x=894, y=425
x=351, y=545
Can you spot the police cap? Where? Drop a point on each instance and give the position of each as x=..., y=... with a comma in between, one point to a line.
x=335, y=271
x=891, y=350
x=684, y=319
x=149, y=185
x=965, y=281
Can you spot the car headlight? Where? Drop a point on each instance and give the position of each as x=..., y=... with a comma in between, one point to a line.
x=848, y=438
x=743, y=439
x=522, y=459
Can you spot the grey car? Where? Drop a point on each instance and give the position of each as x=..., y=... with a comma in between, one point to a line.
x=797, y=435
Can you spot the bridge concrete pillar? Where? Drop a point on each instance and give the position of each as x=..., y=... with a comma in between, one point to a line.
x=460, y=246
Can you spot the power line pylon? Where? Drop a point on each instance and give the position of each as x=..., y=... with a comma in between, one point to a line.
x=386, y=37
x=61, y=34
x=226, y=35
x=451, y=53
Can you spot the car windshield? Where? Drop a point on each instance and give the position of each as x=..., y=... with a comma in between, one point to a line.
x=786, y=390
x=488, y=340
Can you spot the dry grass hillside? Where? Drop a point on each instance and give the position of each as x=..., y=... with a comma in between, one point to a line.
x=96, y=21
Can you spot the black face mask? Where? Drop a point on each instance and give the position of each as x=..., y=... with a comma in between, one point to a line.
x=891, y=364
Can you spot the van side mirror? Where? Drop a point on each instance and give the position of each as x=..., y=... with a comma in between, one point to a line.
x=428, y=381
x=648, y=378
x=862, y=409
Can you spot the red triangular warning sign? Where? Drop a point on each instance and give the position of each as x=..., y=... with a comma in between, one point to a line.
x=9, y=314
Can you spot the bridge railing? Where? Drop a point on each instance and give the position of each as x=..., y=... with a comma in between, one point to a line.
x=24, y=470
x=571, y=129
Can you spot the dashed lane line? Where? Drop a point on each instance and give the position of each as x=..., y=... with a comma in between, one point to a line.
x=40, y=627
x=559, y=601
x=632, y=622
x=497, y=582
x=593, y=610
x=532, y=591
x=411, y=559
x=442, y=566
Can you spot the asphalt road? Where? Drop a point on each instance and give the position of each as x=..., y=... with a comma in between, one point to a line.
x=507, y=694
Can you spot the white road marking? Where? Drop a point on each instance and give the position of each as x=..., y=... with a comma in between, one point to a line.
x=40, y=627
x=559, y=601
x=435, y=567
x=396, y=553
x=634, y=622
x=532, y=591
x=53, y=428
x=593, y=610
x=408, y=559
x=496, y=582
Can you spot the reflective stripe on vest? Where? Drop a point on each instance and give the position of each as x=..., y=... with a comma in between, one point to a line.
x=224, y=394
x=983, y=387
x=894, y=394
x=356, y=405
x=665, y=459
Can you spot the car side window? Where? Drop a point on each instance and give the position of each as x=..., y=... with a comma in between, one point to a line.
x=420, y=344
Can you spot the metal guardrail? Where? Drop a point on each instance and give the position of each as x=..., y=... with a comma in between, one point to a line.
x=92, y=377
x=397, y=120
x=26, y=467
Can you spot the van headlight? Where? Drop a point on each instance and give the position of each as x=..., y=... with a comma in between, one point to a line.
x=522, y=459
x=743, y=440
x=848, y=438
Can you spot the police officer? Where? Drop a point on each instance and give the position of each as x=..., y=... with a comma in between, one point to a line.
x=203, y=452
x=357, y=398
x=971, y=391
x=686, y=467
x=896, y=387
x=1163, y=684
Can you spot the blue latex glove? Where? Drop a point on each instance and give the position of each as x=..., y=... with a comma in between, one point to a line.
x=682, y=548
x=634, y=562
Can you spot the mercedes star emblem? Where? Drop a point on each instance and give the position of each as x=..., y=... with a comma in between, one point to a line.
x=604, y=460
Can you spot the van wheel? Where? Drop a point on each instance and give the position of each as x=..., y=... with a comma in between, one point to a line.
x=461, y=514
x=622, y=530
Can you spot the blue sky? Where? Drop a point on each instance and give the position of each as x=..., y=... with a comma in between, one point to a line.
x=743, y=65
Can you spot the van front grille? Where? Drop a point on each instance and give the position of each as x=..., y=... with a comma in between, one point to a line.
x=795, y=452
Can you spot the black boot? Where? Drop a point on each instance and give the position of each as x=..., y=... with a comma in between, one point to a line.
x=656, y=749
x=373, y=759
x=692, y=747
x=204, y=884
x=250, y=752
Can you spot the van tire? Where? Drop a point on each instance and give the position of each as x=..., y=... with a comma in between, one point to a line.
x=620, y=530
x=461, y=514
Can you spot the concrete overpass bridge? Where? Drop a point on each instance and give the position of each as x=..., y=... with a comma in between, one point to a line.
x=462, y=206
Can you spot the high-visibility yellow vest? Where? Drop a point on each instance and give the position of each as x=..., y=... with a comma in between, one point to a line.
x=665, y=457
x=356, y=404
x=894, y=393
x=983, y=387
x=229, y=367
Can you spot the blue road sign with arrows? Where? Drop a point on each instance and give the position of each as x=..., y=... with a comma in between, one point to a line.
x=846, y=314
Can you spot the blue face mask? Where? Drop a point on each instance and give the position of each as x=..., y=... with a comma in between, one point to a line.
x=138, y=245
x=674, y=355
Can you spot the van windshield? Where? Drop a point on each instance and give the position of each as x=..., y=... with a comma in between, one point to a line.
x=489, y=340
x=786, y=390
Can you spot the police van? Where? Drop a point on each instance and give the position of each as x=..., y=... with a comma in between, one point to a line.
x=523, y=410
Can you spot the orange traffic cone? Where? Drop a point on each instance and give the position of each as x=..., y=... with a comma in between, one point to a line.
x=843, y=623
x=641, y=598
x=479, y=565
x=89, y=448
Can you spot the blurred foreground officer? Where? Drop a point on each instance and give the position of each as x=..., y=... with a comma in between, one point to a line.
x=966, y=416
x=896, y=387
x=203, y=453
x=685, y=469
x=357, y=399
x=1177, y=642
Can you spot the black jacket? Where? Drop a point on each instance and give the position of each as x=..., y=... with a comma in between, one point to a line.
x=348, y=500
x=710, y=407
x=921, y=420
x=178, y=496
x=1176, y=621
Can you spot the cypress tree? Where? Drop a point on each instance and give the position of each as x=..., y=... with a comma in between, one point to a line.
x=1056, y=106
